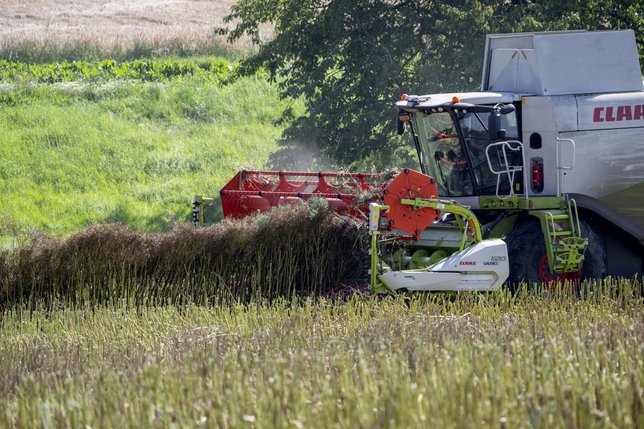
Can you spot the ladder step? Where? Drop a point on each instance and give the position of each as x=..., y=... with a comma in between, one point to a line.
x=560, y=216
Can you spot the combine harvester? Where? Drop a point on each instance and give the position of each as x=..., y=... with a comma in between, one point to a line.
x=538, y=177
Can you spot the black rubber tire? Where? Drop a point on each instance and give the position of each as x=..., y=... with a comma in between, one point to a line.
x=526, y=247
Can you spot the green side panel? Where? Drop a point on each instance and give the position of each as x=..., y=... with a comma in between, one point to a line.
x=205, y=210
x=521, y=203
x=504, y=227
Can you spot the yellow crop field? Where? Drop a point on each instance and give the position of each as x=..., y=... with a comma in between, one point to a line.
x=111, y=25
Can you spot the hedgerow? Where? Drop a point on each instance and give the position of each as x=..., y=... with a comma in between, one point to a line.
x=211, y=70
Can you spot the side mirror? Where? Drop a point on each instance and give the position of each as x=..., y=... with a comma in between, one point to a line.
x=402, y=117
x=494, y=124
x=507, y=108
x=401, y=126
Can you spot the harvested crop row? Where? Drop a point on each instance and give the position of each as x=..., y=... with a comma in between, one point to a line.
x=299, y=250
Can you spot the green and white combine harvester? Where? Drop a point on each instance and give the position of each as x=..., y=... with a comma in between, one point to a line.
x=539, y=177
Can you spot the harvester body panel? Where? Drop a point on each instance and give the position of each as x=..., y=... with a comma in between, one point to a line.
x=562, y=63
x=606, y=154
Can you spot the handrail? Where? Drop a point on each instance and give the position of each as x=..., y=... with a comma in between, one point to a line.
x=552, y=229
x=510, y=170
x=560, y=177
x=574, y=150
x=574, y=219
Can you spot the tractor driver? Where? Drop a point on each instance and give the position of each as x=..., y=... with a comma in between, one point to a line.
x=450, y=158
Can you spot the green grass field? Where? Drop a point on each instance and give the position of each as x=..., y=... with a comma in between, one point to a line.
x=121, y=150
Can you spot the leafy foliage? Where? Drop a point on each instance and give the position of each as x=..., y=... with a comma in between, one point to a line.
x=211, y=70
x=350, y=60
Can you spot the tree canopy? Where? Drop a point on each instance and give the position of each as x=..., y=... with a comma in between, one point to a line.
x=350, y=60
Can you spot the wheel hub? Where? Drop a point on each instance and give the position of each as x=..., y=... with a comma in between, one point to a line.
x=547, y=277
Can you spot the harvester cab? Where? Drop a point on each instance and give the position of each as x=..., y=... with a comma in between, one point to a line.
x=470, y=148
x=470, y=143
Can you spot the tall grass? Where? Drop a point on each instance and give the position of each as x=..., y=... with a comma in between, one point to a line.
x=72, y=155
x=469, y=360
x=299, y=250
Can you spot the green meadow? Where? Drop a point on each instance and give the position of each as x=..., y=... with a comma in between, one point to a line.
x=105, y=149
